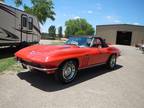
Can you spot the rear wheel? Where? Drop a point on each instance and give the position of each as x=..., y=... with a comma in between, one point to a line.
x=67, y=72
x=111, y=64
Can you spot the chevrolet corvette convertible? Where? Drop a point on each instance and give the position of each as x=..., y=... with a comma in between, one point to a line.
x=65, y=60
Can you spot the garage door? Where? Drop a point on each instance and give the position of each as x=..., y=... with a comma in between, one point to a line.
x=123, y=37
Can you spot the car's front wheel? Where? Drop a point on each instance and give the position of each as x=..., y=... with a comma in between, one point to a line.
x=67, y=72
x=111, y=64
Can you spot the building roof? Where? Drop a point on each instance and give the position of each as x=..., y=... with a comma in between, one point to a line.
x=120, y=25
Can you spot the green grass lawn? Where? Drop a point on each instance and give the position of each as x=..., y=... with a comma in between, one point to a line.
x=6, y=63
x=7, y=60
x=9, y=64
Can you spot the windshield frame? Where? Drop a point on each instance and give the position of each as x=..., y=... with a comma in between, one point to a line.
x=79, y=41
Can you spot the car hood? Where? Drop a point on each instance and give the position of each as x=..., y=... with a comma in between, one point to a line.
x=42, y=53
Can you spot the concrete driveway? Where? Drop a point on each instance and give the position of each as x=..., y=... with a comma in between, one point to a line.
x=93, y=88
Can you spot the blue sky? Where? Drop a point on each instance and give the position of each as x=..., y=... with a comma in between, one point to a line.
x=96, y=12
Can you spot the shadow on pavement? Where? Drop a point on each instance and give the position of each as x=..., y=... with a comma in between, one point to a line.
x=47, y=83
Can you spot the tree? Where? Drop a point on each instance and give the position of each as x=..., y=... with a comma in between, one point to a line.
x=78, y=27
x=18, y=2
x=42, y=9
x=60, y=32
x=52, y=31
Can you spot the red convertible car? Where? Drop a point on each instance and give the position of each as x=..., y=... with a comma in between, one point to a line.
x=65, y=60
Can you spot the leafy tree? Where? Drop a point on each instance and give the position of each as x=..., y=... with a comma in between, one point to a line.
x=18, y=2
x=80, y=32
x=43, y=9
x=52, y=31
x=78, y=27
x=60, y=32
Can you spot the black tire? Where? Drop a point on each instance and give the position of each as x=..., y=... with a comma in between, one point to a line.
x=67, y=72
x=111, y=64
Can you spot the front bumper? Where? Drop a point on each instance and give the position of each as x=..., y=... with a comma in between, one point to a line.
x=37, y=68
x=30, y=66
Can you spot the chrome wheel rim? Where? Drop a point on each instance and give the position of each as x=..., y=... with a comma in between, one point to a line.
x=69, y=71
x=113, y=61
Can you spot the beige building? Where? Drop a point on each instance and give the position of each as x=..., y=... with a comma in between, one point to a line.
x=125, y=34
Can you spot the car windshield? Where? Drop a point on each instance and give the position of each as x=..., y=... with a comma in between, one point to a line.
x=79, y=41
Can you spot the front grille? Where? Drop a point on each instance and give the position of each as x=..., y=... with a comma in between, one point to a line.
x=30, y=63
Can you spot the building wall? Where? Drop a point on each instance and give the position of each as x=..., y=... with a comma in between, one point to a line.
x=109, y=32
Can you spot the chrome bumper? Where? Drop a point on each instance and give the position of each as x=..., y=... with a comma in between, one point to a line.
x=37, y=68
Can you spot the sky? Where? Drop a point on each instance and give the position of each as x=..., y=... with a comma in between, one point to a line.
x=96, y=12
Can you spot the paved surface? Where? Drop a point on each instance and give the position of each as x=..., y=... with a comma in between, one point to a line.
x=45, y=42
x=94, y=88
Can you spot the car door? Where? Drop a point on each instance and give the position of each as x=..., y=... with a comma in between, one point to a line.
x=104, y=55
x=99, y=53
x=94, y=56
x=103, y=50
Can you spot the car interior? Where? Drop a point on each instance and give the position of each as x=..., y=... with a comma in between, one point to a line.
x=96, y=42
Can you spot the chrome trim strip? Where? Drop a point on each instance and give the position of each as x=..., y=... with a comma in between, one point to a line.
x=53, y=69
x=92, y=66
x=40, y=69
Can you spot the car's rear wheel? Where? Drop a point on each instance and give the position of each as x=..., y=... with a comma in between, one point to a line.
x=111, y=64
x=67, y=72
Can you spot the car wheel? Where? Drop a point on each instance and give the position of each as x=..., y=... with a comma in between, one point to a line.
x=111, y=64
x=67, y=72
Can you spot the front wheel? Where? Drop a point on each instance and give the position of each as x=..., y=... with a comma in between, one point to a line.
x=111, y=64
x=67, y=72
